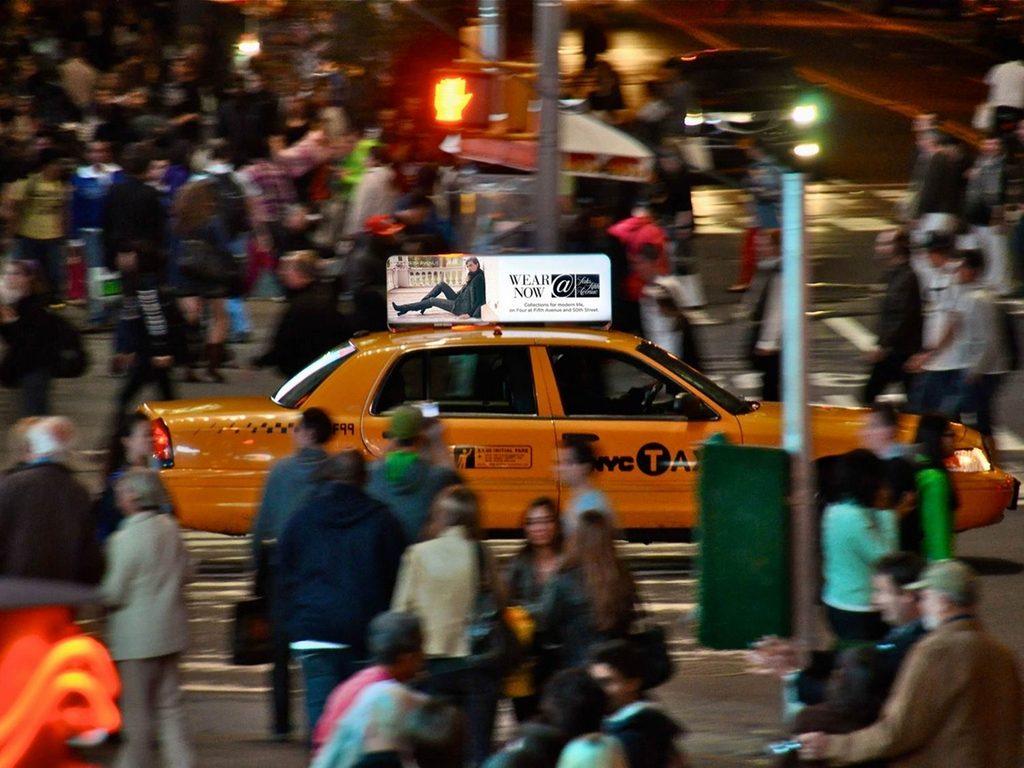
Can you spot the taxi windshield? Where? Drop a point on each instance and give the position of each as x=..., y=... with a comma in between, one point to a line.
x=732, y=403
x=293, y=393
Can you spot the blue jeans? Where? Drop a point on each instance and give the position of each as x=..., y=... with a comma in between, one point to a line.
x=938, y=391
x=473, y=690
x=49, y=254
x=323, y=670
x=238, y=318
x=977, y=400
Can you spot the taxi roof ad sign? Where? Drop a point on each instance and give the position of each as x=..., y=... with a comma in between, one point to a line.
x=460, y=288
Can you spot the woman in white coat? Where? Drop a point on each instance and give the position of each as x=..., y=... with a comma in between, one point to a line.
x=438, y=581
x=147, y=628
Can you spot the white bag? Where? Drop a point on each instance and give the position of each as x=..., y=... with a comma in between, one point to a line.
x=695, y=152
x=984, y=115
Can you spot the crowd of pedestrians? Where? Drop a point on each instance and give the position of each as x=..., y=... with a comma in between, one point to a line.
x=377, y=576
x=128, y=160
x=385, y=563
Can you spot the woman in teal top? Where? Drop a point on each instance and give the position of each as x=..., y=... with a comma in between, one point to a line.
x=855, y=534
x=936, y=498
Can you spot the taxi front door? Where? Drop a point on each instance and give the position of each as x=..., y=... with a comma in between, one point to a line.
x=644, y=427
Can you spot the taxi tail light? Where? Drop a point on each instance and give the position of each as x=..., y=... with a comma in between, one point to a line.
x=163, y=450
x=968, y=460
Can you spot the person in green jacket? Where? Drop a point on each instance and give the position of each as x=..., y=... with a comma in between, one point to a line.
x=936, y=498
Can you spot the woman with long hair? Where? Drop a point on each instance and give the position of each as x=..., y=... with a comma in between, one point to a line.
x=936, y=498
x=208, y=267
x=27, y=330
x=593, y=597
x=130, y=447
x=439, y=581
x=856, y=530
x=530, y=569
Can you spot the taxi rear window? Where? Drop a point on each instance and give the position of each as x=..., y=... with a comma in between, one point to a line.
x=293, y=393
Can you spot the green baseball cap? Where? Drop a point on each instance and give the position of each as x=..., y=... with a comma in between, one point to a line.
x=406, y=423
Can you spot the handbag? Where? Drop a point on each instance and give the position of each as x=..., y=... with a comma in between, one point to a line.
x=651, y=643
x=251, y=635
x=493, y=646
x=201, y=261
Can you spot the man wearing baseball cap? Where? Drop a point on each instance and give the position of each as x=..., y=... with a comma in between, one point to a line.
x=403, y=479
x=957, y=700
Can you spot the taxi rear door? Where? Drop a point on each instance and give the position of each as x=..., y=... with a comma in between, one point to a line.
x=498, y=426
x=644, y=425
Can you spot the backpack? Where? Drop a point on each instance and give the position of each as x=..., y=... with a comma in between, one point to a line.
x=233, y=204
x=1009, y=328
x=70, y=358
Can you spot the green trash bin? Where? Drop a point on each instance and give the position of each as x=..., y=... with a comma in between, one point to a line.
x=744, y=543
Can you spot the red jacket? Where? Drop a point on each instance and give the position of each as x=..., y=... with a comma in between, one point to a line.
x=636, y=232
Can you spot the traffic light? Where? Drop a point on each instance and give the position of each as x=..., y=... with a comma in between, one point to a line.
x=462, y=98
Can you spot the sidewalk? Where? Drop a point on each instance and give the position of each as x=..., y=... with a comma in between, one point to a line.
x=727, y=715
x=730, y=715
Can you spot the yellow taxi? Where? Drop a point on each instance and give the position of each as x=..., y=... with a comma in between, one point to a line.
x=507, y=397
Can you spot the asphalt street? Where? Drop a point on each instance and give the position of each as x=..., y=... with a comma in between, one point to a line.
x=877, y=73
x=731, y=713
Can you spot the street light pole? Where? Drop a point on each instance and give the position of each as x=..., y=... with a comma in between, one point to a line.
x=547, y=32
x=492, y=40
x=796, y=437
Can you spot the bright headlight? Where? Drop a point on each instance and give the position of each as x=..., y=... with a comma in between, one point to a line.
x=693, y=119
x=969, y=460
x=805, y=114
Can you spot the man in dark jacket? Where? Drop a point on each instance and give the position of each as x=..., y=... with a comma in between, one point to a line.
x=291, y=481
x=900, y=319
x=900, y=608
x=42, y=500
x=646, y=732
x=311, y=325
x=405, y=481
x=133, y=232
x=338, y=560
x=466, y=302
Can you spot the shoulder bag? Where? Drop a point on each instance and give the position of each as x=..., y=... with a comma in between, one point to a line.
x=202, y=261
x=493, y=646
x=251, y=636
x=651, y=642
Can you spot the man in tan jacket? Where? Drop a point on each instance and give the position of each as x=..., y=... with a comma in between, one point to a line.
x=957, y=699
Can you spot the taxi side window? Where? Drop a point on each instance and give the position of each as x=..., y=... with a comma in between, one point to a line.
x=463, y=381
x=594, y=382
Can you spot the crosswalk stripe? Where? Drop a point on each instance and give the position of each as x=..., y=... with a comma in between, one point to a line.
x=1007, y=440
x=862, y=223
x=844, y=401
x=853, y=331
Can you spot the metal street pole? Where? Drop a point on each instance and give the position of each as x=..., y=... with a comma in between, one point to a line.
x=547, y=32
x=492, y=40
x=795, y=412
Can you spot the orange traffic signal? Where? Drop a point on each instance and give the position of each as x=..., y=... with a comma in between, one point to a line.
x=451, y=99
x=462, y=98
